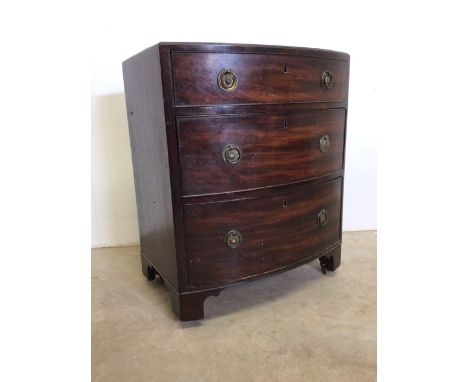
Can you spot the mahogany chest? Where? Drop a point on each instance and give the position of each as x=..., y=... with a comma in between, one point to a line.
x=238, y=158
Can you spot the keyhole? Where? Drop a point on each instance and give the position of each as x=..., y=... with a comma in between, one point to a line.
x=285, y=124
x=285, y=203
x=285, y=68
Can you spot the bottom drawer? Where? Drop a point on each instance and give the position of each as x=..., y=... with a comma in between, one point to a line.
x=234, y=240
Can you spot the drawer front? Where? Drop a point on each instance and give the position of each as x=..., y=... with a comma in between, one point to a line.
x=201, y=79
x=230, y=153
x=231, y=241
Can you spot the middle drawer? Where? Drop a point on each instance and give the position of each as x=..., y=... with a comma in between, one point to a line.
x=232, y=153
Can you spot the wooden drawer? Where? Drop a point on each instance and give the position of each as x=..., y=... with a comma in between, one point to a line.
x=277, y=231
x=274, y=149
x=260, y=78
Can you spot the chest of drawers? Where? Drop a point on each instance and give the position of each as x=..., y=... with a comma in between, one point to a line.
x=238, y=158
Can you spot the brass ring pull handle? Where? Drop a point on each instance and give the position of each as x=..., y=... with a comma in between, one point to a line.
x=327, y=80
x=227, y=80
x=322, y=217
x=324, y=143
x=231, y=154
x=233, y=238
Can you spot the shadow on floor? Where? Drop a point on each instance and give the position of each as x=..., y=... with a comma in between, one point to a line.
x=249, y=294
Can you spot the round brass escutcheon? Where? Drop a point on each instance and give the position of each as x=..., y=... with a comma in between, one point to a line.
x=231, y=154
x=327, y=80
x=233, y=238
x=324, y=143
x=227, y=80
x=322, y=217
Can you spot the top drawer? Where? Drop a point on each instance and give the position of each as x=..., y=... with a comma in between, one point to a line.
x=216, y=78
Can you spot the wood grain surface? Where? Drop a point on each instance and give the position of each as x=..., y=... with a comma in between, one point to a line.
x=277, y=231
x=261, y=79
x=275, y=149
x=188, y=197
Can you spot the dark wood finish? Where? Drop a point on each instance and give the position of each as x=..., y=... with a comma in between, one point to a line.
x=189, y=306
x=179, y=121
x=211, y=47
x=277, y=231
x=147, y=268
x=258, y=192
x=275, y=149
x=262, y=79
x=147, y=126
x=257, y=109
x=332, y=259
x=174, y=167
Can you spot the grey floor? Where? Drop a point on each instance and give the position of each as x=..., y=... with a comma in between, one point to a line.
x=297, y=326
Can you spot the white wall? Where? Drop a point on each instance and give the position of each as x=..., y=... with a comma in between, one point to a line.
x=128, y=30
